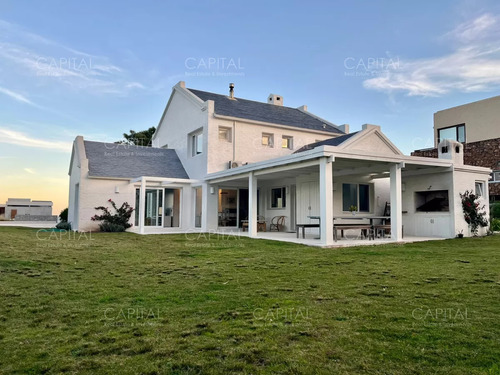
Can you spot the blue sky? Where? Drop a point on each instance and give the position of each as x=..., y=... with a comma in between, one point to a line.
x=101, y=68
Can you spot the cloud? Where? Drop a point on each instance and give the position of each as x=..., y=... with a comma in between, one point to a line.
x=479, y=28
x=33, y=55
x=29, y=170
x=20, y=139
x=474, y=65
x=16, y=96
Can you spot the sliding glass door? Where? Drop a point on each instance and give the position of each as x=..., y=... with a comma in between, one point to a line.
x=153, y=212
x=162, y=207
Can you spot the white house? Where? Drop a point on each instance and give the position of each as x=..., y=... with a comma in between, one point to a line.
x=222, y=163
x=25, y=209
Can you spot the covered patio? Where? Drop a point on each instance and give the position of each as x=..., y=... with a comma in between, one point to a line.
x=322, y=186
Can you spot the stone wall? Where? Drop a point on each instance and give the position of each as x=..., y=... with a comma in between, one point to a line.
x=480, y=154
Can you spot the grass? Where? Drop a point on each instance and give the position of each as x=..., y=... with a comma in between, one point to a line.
x=167, y=304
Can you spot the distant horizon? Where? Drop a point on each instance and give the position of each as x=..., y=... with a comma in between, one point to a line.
x=66, y=70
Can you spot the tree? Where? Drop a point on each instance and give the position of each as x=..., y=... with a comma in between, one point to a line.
x=63, y=216
x=141, y=138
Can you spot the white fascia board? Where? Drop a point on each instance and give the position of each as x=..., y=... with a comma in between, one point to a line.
x=162, y=179
x=386, y=158
x=188, y=95
x=270, y=124
x=472, y=169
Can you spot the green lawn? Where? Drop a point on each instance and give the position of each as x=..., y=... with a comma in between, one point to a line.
x=124, y=303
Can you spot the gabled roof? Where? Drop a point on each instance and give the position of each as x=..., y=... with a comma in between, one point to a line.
x=264, y=112
x=327, y=142
x=370, y=139
x=125, y=161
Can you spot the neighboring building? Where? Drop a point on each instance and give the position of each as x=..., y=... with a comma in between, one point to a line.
x=219, y=161
x=477, y=126
x=24, y=209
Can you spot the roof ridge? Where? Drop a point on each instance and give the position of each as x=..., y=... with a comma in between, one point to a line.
x=248, y=100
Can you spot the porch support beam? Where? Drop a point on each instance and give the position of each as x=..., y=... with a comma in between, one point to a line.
x=142, y=204
x=396, y=203
x=287, y=167
x=326, y=201
x=230, y=178
x=252, y=205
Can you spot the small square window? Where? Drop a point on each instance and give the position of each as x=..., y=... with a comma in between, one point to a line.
x=287, y=142
x=267, y=140
x=225, y=134
x=496, y=176
x=278, y=197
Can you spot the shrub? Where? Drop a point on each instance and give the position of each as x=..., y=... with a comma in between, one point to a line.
x=63, y=225
x=110, y=227
x=63, y=216
x=495, y=211
x=495, y=225
x=472, y=214
x=119, y=219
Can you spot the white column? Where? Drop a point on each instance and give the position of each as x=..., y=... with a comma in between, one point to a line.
x=142, y=205
x=326, y=200
x=252, y=205
x=396, y=203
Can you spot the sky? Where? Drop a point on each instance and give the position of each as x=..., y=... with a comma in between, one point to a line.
x=101, y=68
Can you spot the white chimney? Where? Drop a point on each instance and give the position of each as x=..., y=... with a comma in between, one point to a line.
x=275, y=99
x=231, y=91
x=452, y=150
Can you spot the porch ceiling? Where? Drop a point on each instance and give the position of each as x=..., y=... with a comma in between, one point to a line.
x=379, y=169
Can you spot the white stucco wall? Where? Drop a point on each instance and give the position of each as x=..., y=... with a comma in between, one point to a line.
x=246, y=145
x=427, y=224
x=465, y=180
x=183, y=116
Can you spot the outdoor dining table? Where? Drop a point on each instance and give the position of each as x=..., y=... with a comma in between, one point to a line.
x=357, y=217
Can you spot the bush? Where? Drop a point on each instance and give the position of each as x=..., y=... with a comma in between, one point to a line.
x=63, y=216
x=110, y=227
x=495, y=211
x=473, y=212
x=119, y=219
x=495, y=225
x=63, y=225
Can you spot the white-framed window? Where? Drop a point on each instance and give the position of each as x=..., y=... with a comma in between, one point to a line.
x=287, y=142
x=267, y=140
x=480, y=188
x=225, y=134
x=356, y=197
x=196, y=143
x=278, y=197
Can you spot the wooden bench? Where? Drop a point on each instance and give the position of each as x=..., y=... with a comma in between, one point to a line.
x=304, y=226
x=365, y=228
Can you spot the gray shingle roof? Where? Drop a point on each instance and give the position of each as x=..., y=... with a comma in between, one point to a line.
x=327, y=142
x=124, y=161
x=258, y=111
